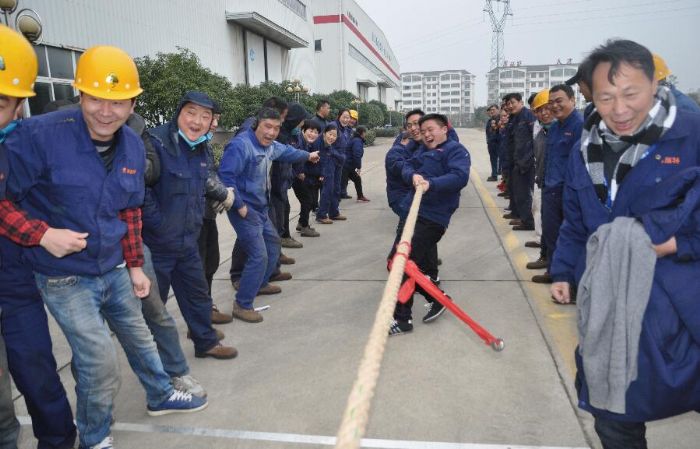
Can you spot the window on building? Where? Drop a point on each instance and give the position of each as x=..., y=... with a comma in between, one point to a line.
x=569, y=72
x=506, y=74
x=317, y=45
x=406, y=87
x=557, y=73
x=454, y=100
x=56, y=73
x=518, y=74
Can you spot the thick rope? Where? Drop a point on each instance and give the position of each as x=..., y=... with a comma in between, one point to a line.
x=356, y=415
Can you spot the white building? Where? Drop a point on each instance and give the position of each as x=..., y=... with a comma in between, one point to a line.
x=449, y=92
x=529, y=79
x=326, y=45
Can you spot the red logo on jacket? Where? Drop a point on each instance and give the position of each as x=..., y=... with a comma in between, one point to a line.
x=671, y=160
x=128, y=171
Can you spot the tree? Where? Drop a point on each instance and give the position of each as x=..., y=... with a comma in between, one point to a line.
x=370, y=115
x=480, y=117
x=167, y=77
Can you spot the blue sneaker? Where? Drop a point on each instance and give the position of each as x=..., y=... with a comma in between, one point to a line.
x=179, y=402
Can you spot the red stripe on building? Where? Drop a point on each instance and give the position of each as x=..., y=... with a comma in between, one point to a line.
x=337, y=18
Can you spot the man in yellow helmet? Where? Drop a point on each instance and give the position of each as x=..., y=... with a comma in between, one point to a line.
x=83, y=169
x=25, y=342
x=661, y=74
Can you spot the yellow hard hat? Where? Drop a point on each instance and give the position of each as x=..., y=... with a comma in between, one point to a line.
x=353, y=114
x=107, y=72
x=18, y=64
x=541, y=99
x=661, y=70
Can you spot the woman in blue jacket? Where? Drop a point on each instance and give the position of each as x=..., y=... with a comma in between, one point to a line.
x=306, y=177
x=329, y=201
x=353, y=163
x=341, y=146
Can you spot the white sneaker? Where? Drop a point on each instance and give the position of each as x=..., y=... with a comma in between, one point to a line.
x=190, y=385
x=104, y=444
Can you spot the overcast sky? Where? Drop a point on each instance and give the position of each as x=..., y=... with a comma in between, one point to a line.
x=456, y=34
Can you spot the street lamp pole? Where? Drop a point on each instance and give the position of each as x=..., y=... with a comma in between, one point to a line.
x=297, y=88
x=27, y=21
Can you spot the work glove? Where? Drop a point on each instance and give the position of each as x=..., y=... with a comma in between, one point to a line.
x=228, y=202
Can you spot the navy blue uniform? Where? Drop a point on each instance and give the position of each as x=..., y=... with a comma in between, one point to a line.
x=446, y=168
x=25, y=330
x=667, y=382
x=172, y=220
x=561, y=139
x=523, y=168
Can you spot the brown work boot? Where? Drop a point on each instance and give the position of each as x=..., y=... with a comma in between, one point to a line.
x=288, y=242
x=542, y=279
x=325, y=220
x=538, y=264
x=269, y=289
x=309, y=232
x=286, y=260
x=218, y=317
x=247, y=315
x=219, y=351
x=281, y=276
x=533, y=244
x=363, y=199
x=339, y=218
x=219, y=335
x=515, y=222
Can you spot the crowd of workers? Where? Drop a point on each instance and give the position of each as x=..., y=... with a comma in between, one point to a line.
x=101, y=217
x=612, y=195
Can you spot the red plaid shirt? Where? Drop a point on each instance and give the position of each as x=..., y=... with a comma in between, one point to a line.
x=18, y=227
x=132, y=244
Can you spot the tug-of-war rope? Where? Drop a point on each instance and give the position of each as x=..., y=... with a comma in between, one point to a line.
x=356, y=416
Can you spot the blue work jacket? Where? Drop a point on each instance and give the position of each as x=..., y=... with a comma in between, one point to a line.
x=668, y=381
x=354, y=153
x=311, y=171
x=245, y=166
x=446, y=168
x=16, y=276
x=396, y=188
x=174, y=206
x=521, y=140
x=57, y=176
x=341, y=144
x=561, y=139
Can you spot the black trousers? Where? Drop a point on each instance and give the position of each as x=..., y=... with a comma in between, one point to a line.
x=552, y=218
x=209, y=249
x=426, y=236
x=523, y=184
x=279, y=212
x=303, y=194
x=621, y=435
x=351, y=174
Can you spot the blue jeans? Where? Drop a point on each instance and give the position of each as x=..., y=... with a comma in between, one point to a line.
x=184, y=271
x=30, y=359
x=261, y=243
x=162, y=325
x=9, y=426
x=80, y=305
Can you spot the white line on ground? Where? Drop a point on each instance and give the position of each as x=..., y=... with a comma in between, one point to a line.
x=304, y=439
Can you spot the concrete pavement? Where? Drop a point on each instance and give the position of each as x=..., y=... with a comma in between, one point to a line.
x=440, y=387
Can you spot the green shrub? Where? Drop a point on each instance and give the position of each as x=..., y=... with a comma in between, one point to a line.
x=388, y=132
x=370, y=135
